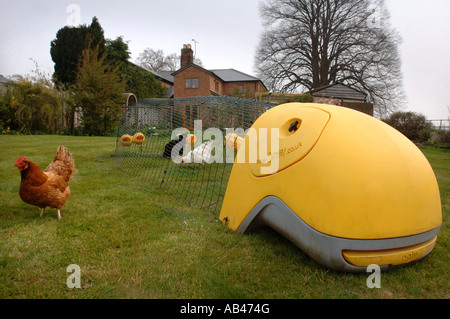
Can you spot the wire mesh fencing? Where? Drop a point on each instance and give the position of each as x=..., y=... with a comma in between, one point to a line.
x=184, y=148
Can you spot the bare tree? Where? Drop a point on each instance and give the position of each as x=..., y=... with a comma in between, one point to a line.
x=157, y=61
x=152, y=60
x=312, y=43
x=173, y=62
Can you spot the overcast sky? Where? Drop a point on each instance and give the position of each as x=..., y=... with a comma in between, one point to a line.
x=227, y=33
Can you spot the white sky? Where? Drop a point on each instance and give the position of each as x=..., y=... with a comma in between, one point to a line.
x=227, y=33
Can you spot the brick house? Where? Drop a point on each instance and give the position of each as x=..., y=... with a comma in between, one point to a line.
x=194, y=80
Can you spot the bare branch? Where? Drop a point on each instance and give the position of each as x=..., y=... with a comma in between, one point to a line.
x=312, y=43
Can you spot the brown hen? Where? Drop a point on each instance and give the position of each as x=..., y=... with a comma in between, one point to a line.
x=48, y=188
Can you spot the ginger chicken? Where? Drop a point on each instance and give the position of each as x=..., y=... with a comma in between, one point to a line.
x=50, y=187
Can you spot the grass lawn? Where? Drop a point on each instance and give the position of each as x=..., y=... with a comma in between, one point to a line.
x=129, y=246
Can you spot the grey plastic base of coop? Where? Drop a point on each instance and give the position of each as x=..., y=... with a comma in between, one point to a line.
x=324, y=249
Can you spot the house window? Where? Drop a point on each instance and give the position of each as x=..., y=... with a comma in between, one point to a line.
x=192, y=83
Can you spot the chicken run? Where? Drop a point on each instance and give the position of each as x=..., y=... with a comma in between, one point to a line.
x=374, y=207
x=153, y=136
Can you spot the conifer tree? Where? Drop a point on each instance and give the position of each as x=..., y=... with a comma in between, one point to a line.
x=98, y=93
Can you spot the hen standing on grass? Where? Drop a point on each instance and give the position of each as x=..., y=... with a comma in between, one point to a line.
x=48, y=188
x=201, y=154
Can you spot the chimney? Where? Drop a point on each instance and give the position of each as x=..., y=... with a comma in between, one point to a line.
x=187, y=55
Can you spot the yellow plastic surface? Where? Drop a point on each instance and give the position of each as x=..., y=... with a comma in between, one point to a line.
x=294, y=145
x=390, y=256
x=352, y=176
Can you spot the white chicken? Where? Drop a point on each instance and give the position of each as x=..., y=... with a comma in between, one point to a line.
x=201, y=154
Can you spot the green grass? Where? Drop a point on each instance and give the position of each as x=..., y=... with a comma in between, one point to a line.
x=129, y=246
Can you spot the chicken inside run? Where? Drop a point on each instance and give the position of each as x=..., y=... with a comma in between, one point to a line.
x=185, y=146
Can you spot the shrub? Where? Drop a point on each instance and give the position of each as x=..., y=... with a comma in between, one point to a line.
x=440, y=138
x=306, y=98
x=413, y=125
x=30, y=106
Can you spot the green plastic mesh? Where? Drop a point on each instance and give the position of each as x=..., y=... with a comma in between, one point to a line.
x=200, y=185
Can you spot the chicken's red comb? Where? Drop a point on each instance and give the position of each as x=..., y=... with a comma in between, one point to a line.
x=21, y=159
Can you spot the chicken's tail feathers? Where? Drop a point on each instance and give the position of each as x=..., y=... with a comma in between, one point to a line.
x=63, y=163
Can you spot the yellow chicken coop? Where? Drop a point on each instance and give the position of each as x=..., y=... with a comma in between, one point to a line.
x=349, y=190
